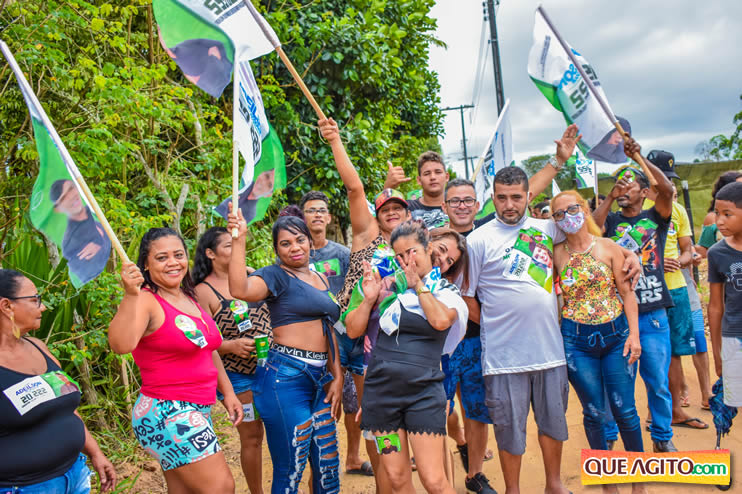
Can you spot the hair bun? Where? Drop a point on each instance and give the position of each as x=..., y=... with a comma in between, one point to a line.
x=292, y=210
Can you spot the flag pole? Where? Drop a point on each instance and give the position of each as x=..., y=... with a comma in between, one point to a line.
x=492, y=137
x=637, y=156
x=66, y=157
x=277, y=45
x=235, y=149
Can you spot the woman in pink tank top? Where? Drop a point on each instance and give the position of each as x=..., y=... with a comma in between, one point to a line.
x=173, y=342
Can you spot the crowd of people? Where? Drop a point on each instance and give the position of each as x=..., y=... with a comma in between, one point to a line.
x=428, y=305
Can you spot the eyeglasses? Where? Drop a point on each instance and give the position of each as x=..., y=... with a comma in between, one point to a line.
x=313, y=211
x=36, y=297
x=456, y=202
x=559, y=213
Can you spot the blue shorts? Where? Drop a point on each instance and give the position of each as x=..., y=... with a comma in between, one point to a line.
x=699, y=331
x=76, y=480
x=466, y=371
x=240, y=383
x=174, y=432
x=681, y=324
x=351, y=353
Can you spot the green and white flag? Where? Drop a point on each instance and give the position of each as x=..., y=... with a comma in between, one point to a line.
x=585, y=172
x=58, y=205
x=265, y=165
x=207, y=38
x=551, y=69
x=498, y=154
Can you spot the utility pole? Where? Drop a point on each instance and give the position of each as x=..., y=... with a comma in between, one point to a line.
x=495, y=54
x=461, y=108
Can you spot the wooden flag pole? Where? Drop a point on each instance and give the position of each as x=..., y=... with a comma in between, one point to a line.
x=66, y=157
x=268, y=33
x=609, y=113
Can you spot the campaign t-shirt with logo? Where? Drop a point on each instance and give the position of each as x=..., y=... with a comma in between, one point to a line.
x=511, y=271
x=725, y=266
x=432, y=216
x=646, y=235
x=679, y=228
x=332, y=260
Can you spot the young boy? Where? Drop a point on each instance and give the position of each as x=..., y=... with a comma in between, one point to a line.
x=725, y=304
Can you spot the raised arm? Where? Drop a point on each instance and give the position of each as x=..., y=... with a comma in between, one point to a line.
x=133, y=315
x=565, y=147
x=252, y=289
x=663, y=202
x=361, y=220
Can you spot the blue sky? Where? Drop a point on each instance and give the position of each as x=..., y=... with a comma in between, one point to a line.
x=673, y=69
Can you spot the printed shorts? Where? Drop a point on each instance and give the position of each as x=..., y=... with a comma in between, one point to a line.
x=466, y=370
x=174, y=432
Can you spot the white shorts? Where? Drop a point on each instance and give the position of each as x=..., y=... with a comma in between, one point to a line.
x=731, y=364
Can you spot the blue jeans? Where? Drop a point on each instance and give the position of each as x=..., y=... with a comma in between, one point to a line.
x=76, y=480
x=595, y=362
x=289, y=396
x=654, y=365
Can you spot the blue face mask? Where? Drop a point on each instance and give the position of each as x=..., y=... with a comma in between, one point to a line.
x=571, y=223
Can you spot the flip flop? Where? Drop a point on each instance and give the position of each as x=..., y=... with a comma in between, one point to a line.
x=488, y=455
x=685, y=401
x=366, y=469
x=686, y=424
x=705, y=407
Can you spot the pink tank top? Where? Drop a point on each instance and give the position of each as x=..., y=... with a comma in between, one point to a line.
x=176, y=360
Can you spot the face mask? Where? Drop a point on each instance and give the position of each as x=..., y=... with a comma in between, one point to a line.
x=571, y=223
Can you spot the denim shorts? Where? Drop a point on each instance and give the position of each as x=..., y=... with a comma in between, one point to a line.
x=699, y=331
x=351, y=353
x=76, y=480
x=174, y=432
x=240, y=383
x=682, y=337
x=466, y=371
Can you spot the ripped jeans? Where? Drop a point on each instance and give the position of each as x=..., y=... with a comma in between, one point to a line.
x=298, y=425
x=595, y=362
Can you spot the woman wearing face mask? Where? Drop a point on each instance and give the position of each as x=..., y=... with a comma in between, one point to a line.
x=601, y=334
x=174, y=342
x=299, y=389
x=404, y=397
x=239, y=323
x=43, y=441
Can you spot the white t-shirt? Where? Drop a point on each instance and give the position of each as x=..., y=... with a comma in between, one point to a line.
x=511, y=270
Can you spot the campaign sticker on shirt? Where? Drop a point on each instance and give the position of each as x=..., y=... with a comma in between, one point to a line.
x=530, y=259
x=190, y=330
x=33, y=391
x=241, y=316
x=328, y=267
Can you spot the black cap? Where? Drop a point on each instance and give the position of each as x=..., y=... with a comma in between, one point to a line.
x=665, y=161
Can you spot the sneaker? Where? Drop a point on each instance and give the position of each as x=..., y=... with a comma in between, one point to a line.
x=479, y=484
x=664, y=446
x=464, y=453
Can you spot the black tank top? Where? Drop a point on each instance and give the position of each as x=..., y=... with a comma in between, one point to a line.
x=40, y=436
x=260, y=324
x=416, y=342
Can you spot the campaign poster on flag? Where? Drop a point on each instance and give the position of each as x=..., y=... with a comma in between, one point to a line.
x=265, y=166
x=206, y=38
x=585, y=172
x=554, y=74
x=499, y=154
x=58, y=206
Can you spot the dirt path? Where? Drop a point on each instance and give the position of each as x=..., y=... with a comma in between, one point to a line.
x=532, y=476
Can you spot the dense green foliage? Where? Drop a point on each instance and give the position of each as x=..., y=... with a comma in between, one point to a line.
x=721, y=147
x=156, y=150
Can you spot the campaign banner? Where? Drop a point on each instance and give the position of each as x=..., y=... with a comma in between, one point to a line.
x=585, y=172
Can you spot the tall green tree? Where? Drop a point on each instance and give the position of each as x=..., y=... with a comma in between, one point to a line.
x=722, y=147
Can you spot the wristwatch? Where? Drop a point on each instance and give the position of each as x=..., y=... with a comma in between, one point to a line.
x=421, y=290
x=555, y=163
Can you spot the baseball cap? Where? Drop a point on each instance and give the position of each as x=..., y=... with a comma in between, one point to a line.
x=387, y=195
x=665, y=161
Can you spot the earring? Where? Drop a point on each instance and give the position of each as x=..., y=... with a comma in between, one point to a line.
x=16, y=331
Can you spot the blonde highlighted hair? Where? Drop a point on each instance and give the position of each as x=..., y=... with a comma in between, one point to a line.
x=592, y=227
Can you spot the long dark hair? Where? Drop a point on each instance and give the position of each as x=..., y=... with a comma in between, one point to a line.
x=461, y=266
x=290, y=219
x=144, y=247
x=202, y=265
x=10, y=283
x=724, y=179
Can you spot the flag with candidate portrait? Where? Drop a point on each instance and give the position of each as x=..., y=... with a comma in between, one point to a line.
x=554, y=74
x=499, y=154
x=58, y=205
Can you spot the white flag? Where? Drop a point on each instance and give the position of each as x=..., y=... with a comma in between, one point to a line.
x=498, y=154
x=560, y=82
x=585, y=172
